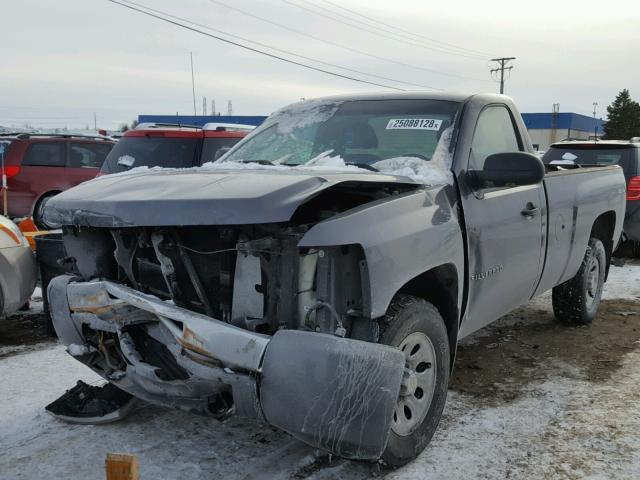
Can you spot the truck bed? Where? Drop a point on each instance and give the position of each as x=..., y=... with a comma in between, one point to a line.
x=575, y=198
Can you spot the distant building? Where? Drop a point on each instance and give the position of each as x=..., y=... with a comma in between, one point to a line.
x=544, y=128
x=547, y=128
x=200, y=120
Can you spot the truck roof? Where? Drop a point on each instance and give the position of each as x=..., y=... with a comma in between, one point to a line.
x=633, y=143
x=414, y=95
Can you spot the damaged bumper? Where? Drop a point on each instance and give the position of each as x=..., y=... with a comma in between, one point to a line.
x=333, y=393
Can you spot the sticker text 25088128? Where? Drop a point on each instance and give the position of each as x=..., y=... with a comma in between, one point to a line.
x=414, y=124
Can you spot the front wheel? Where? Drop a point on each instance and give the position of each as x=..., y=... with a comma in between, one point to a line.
x=38, y=215
x=417, y=328
x=576, y=301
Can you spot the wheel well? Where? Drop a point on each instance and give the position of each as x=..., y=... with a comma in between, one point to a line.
x=44, y=195
x=439, y=286
x=603, y=228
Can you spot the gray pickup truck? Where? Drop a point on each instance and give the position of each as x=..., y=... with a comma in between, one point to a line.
x=320, y=275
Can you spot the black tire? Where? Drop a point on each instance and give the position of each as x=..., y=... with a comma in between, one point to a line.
x=38, y=214
x=576, y=301
x=407, y=315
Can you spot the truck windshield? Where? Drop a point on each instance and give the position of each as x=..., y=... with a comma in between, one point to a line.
x=588, y=154
x=132, y=152
x=360, y=132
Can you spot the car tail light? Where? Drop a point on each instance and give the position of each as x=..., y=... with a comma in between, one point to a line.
x=633, y=190
x=10, y=170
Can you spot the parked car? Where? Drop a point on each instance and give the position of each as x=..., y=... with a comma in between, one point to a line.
x=321, y=277
x=38, y=167
x=607, y=152
x=18, y=271
x=172, y=146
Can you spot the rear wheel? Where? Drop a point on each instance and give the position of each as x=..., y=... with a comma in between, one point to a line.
x=417, y=328
x=576, y=301
x=38, y=214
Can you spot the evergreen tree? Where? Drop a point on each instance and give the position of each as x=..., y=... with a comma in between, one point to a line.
x=623, y=118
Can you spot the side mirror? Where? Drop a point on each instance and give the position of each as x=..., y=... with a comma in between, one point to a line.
x=510, y=169
x=220, y=152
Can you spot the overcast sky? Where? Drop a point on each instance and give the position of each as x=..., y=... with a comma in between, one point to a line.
x=63, y=60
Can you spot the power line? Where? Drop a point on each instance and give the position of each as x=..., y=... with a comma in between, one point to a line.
x=503, y=63
x=377, y=32
x=343, y=47
x=244, y=39
x=267, y=54
x=182, y=19
x=451, y=45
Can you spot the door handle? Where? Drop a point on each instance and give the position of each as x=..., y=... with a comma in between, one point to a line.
x=531, y=210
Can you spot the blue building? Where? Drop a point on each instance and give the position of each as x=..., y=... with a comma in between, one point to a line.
x=547, y=128
x=544, y=128
x=200, y=120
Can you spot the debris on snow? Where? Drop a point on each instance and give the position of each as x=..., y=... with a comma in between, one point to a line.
x=76, y=350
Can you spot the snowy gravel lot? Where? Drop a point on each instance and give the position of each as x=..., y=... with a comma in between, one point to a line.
x=529, y=399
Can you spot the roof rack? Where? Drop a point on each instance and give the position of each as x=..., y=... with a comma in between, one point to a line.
x=10, y=134
x=142, y=126
x=23, y=135
x=221, y=127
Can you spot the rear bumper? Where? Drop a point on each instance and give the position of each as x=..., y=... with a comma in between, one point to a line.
x=19, y=204
x=298, y=381
x=632, y=221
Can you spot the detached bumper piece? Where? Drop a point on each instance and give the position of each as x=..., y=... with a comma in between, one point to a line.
x=91, y=405
x=333, y=393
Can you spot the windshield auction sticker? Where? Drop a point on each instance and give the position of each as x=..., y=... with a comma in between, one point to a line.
x=414, y=124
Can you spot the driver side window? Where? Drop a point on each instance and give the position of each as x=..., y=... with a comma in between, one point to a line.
x=494, y=133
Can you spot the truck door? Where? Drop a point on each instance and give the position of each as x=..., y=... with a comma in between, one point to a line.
x=504, y=227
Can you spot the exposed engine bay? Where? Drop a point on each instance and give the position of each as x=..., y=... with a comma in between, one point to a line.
x=255, y=277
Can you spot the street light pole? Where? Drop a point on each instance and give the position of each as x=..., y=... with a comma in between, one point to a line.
x=595, y=123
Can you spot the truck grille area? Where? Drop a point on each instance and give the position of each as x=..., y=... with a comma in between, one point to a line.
x=195, y=267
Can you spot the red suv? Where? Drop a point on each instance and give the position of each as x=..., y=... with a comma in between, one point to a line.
x=37, y=167
x=172, y=146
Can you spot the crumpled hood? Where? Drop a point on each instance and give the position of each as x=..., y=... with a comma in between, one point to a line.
x=183, y=197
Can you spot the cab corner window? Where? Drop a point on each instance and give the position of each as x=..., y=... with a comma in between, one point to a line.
x=494, y=133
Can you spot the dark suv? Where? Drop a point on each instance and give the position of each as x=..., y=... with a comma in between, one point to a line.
x=607, y=152
x=37, y=167
x=172, y=146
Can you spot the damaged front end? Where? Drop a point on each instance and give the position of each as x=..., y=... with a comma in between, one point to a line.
x=236, y=319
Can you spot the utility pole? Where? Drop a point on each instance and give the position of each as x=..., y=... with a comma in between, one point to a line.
x=95, y=121
x=230, y=108
x=204, y=106
x=595, y=124
x=213, y=107
x=503, y=64
x=193, y=86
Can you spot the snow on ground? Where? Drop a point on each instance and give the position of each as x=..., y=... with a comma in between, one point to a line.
x=623, y=282
x=529, y=399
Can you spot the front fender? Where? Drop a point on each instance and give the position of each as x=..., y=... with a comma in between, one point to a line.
x=401, y=236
